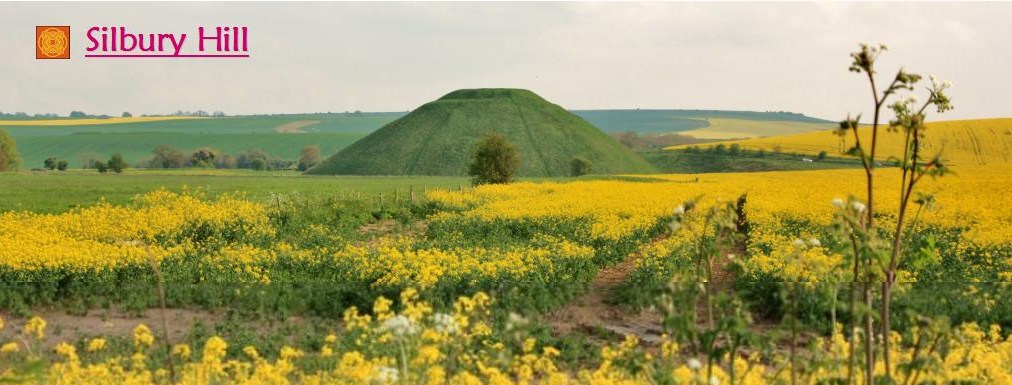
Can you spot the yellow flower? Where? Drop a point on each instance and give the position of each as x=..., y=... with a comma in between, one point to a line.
x=143, y=337
x=36, y=327
x=182, y=351
x=10, y=347
x=96, y=344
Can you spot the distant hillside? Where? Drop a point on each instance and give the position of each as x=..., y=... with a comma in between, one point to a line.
x=438, y=137
x=962, y=142
x=279, y=135
x=672, y=121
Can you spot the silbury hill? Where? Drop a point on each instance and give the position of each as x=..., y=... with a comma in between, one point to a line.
x=438, y=138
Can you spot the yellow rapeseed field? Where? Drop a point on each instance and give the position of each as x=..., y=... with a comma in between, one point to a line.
x=79, y=122
x=961, y=142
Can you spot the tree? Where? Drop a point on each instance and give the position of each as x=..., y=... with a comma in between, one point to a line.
x=494, y=160
x=823, y=155
x=204, y=157
x=735, y=149
x=87, y=159
x=62, y=165
x=101, y=166
x=227, y=161
x=50, y=163
x=78, y=114
x=117, y=164
x=9, y=157
x=167, y=156
x=309, y=157
x=579, y=166
x=259, y=164
x=127, y=114
x=245, y=159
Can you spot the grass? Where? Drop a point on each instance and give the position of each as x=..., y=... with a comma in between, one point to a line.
x=438, y=137
x=57, y=192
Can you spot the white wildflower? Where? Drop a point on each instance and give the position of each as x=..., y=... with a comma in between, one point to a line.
x=680, y=210
x=799, y=243
x=386, y=374
x=858, y=206
x=400, y=326
x=714, y=380
x=814, y=242
x=838, y=203
x=694, y=364
x=445, y=323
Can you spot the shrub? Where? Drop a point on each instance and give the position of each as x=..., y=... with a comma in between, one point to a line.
x=579, y=166
x=494, y=160
x=117, y=164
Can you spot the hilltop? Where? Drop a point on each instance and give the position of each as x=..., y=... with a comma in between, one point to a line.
x=438, y=137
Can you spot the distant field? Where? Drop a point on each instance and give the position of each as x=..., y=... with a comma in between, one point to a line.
x=964, y=142
x=137, y=147
x=670, y=121
x=58, y=192
x=285, y=135
x=720, y=128
x=279, y=135
x=88, y=121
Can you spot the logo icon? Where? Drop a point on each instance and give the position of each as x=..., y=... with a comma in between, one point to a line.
x=52, y=42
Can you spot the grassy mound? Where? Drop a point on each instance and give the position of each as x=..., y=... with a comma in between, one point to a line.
x=437, y=138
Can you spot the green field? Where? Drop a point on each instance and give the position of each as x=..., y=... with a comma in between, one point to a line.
x=279, y=135
x=58, y=192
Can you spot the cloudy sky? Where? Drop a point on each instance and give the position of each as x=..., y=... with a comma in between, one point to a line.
x=317, y=57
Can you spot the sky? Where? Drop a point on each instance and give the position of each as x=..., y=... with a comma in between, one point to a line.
x=321, y=57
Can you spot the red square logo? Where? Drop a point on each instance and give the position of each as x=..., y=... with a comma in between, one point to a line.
x=52, y=42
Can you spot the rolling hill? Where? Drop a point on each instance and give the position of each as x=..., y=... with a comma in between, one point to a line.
x=438, y=137
x=279, y=135
x=961, y=142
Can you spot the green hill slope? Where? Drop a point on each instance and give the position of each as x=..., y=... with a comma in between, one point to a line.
x=437, y=138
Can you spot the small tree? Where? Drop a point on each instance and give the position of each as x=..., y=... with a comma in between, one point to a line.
x=309, y=157
x=823, y=155
x=9, y=157
x=167, y=156
x=117, y=164
x=227, y=161
x=62, y=165
x=50, y=163
x=203, y=157
x=494, y=160
x=579, y=166
x=101, y=166
x=259, y=164
x=127, y=114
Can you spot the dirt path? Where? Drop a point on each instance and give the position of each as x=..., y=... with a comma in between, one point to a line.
x=594, y=315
